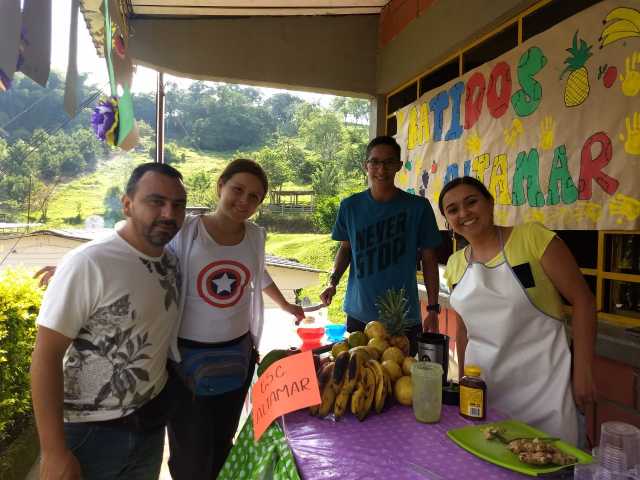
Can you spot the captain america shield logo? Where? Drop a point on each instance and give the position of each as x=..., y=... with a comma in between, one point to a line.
x=222, y=283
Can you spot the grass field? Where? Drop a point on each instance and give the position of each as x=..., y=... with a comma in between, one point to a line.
x=317, y=251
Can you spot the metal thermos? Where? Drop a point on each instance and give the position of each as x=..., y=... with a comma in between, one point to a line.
x=434, y=347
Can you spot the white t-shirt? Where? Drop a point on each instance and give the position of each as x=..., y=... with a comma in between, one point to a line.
x=220, y=284
x=119, y=306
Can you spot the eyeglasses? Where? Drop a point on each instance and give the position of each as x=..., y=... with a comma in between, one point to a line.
x=386, y=164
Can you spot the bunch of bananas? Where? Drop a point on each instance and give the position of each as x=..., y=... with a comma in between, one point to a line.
x=353, y=380
x=621, y=23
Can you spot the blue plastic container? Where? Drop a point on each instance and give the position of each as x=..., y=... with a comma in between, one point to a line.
x=335, y=331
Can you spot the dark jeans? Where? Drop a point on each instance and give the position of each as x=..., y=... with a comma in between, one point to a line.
x=109, y=453
x=353, y=325
x=201, y=429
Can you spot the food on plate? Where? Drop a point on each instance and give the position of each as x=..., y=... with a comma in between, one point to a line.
x=533, y=451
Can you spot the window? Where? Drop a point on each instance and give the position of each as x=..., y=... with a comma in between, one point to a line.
x=550, y=14
x=440, y=76
x=493, y=47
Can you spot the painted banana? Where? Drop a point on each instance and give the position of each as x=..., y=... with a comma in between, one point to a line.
x=620, y=23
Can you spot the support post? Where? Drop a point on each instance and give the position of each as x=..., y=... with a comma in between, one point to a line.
x=160, y=119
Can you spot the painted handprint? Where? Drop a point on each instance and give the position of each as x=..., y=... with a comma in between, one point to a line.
x=632, y=142
x=587, y=212
x=624, y=206
x=501, y=216
x=534, y=215
x=547, y=130
x=474, y=144
x=511, y=134
x=437, y=188
x=402, y=179
x=630, y=81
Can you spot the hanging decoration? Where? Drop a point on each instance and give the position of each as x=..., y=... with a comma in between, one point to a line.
x=10, y=26
x=36, y=40
x=105, y=120
x=113, y=118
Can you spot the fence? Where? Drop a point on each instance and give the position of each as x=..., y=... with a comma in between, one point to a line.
x=289, y=209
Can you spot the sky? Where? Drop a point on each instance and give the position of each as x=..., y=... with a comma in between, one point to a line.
x=144, y=80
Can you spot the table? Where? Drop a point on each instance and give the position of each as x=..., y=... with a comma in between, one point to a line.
x=392, y=445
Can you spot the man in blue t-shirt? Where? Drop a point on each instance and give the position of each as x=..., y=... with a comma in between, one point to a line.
x=380, y=230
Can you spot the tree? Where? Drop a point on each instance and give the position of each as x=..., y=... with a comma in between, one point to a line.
x=201, y=189
x=113, y=206
x=353, y=110
x=322, y=134
x=326, y=180
x=275, y=167
x=295, y=158
x=352, y=151
x=282, y=107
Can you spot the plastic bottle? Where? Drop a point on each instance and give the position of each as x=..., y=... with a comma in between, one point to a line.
x=473, y=394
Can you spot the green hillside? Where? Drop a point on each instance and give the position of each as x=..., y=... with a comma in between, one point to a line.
x=85, y=195
x=317, y=251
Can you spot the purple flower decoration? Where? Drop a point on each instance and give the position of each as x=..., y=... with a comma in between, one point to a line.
x=5, y=81
x=104, y=119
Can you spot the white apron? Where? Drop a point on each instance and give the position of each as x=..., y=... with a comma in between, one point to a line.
x=523, y=352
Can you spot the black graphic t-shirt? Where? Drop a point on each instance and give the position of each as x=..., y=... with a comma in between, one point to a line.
x=384, y=240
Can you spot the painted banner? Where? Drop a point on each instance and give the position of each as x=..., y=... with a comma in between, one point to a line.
x=552, y=127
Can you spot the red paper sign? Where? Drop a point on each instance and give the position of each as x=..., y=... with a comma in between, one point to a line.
x=287, y=385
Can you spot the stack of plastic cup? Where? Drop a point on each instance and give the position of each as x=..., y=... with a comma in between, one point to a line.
x=619, y=448
x=617, y=457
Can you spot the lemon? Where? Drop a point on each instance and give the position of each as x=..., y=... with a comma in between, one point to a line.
x=375, y=329
x=357, y=339
x=339, y=347
x=406, y=365
x=393, y=369
x=393, y=353
x=403, y=390
x=379, y=344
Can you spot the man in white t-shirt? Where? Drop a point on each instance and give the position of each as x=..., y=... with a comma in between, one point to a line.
x=104, y=328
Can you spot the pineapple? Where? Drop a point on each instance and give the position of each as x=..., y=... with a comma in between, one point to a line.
x=392, y=313
x=576, y=90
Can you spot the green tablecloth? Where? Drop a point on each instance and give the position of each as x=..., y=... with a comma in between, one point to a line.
x=270, y=458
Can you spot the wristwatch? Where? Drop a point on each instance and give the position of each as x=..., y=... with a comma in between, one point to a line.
x=334, y=279
x=434, y=308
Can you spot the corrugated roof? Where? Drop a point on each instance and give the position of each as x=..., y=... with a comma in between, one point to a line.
x=88, y=235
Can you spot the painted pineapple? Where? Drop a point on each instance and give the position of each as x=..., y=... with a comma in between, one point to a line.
x=392, y=313
x=576, y=90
